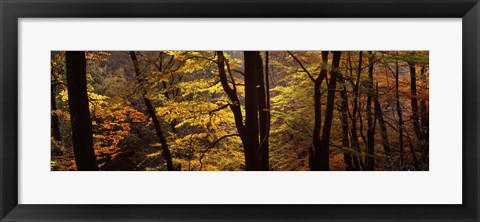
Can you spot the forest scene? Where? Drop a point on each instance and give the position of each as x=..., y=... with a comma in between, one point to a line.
x=239, y=110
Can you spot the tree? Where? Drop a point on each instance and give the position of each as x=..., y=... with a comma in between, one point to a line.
x=370, y=157
x=264, y=113
x=381, y=121
x=414, y=104
x=355, y=112
x=252, y=149
x=345, y=128
x=254, y=133
x=323, y=149
x=319, y=153
x=424, y=120
x=79, y=111
x=151, y=111
x=234, y=105
x=400, y=118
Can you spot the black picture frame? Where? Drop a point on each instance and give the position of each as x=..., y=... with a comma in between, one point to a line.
x=11, y=11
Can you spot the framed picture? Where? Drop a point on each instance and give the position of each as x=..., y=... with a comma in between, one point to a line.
x=226, y=110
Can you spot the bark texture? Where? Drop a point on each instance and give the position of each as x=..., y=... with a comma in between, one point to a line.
x=82, y=136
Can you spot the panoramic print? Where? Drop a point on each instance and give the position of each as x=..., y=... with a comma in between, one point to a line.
x=239, y=110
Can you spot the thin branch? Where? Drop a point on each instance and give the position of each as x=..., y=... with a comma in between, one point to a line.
x=301, y=65
x=238, y=71
x=211, y=146
x=293, y=128
x=218, y=109
x=231, y=75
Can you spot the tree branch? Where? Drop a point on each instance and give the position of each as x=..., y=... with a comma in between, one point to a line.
x=211, y=146
x=301, y=65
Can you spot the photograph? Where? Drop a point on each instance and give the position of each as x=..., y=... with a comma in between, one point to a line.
x=239, y=110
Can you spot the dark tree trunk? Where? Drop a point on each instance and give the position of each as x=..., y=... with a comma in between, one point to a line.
x=412, y=152
x=383, y=127
x=151, y=111
x=360, y=119
x=370, y=157
x=264, y=113
x=322, y=148
x=173, y=124
x=315, y=155
x=400, y=118
x=425, y=126
x=327, y=126
x=254, y=134
x=357, y=160
x=344, y=120
x=158, y=130
x=414, y=104
x=234, y=106
x=232, y=95
x=82, y=136
x=252, y=68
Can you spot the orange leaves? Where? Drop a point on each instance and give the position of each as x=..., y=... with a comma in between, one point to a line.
x=111, y=125
x=66, y=161
x=337, y=162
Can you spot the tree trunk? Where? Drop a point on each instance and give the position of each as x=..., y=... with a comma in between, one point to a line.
x=400, y=119
x=252, y=68
x=344, y=120
x=370, y=158
x=264, y=113
x=232, y=95
x=383, y=128
x=235, y=102
x=414, y=104
x=254, y=134
x=412, y=152
x=425, y=126
x=151, y=111
x=327, y=126
x=358, y=162
x=425, y=133
x=82, y=136
x=314, y=157
x=322, y=148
